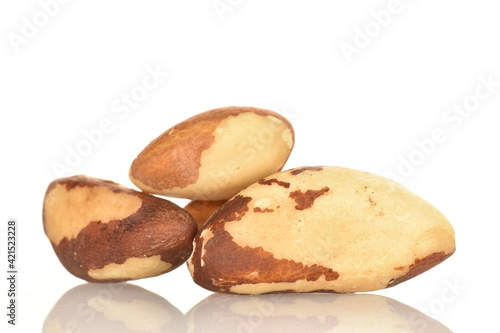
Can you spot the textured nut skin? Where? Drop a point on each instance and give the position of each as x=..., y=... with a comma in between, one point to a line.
x=201, y=210
x=104, y=232
x=325, y=229
x=214, y=154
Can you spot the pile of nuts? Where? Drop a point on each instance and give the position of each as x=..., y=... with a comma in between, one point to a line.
x=250, y=227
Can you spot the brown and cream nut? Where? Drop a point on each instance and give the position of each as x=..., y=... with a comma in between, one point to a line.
x=201, y=210
x=328, y=229
x=215, y=154
x=104, y=232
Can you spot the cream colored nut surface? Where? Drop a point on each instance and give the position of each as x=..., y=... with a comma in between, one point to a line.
x=319, y=228
x=215, y=154
x=103, y=232
x=62, y=207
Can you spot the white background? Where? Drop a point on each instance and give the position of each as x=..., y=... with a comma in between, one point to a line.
x=365, y=111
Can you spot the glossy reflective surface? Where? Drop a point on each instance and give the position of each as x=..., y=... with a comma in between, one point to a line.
x=128, y=308
x=308, y=313
x=118, y=307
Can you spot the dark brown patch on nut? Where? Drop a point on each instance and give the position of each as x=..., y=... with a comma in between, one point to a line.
x=232, y=210
x=175, y=152
x=226, y=264
x=85, y=181
x=420, y=266
x=274, y=181
x=300, y=170
x=265, y=210
x=306, y=199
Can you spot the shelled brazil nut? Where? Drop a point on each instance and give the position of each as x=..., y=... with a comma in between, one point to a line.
x=104, y=232
x=201, y=210
x=328, y=229
x=214, y=154
x=308, y=229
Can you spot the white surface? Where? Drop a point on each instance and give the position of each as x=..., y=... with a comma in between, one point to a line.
x=366, y=113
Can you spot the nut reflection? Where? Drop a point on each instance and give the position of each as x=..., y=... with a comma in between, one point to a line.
x=308, y=313
x=118, y=307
